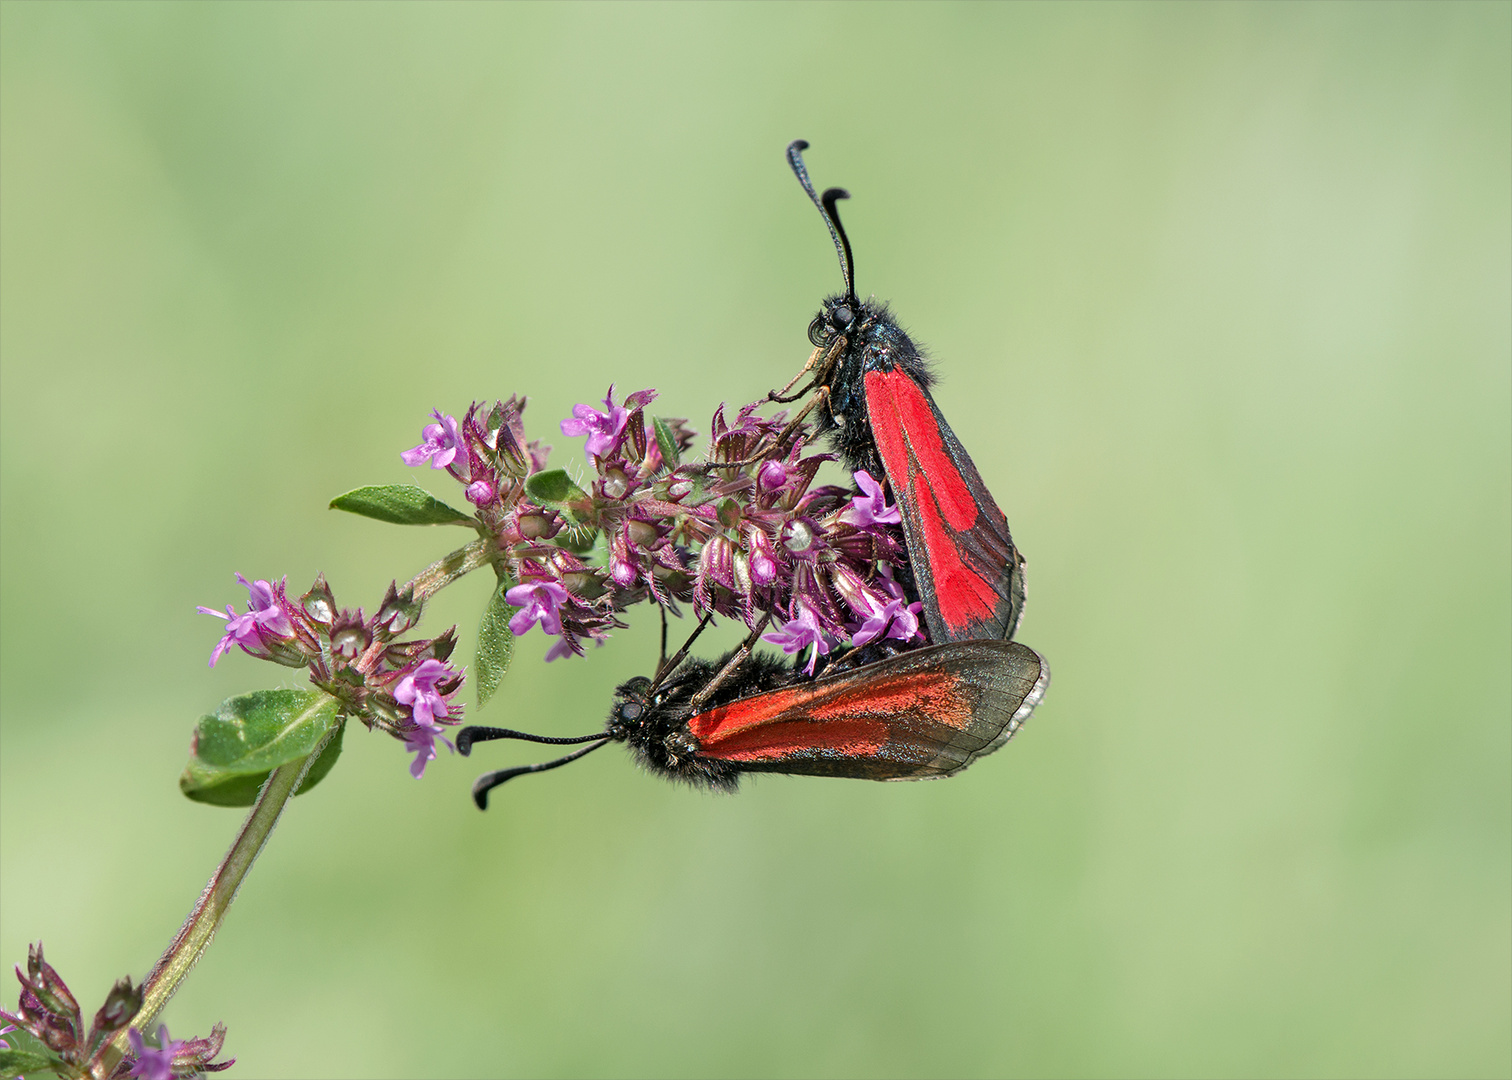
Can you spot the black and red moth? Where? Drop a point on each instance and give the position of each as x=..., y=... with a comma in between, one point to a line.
x=918, y=715
x=921, y=714
x=883, y=419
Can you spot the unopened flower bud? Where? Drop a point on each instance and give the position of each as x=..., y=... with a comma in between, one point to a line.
x=675, y=581
x=288, y=653
x=771, y=476
x=616, y=483
x=539, y=526
x=798, y=536
x=584, y=583
x=318, y=603
x=741, y=566
x=350, y=636
x=717, y=561
x=122, y=1003
x=642, y=533
x=399, y=612
x=480, y=492
x=858, y=596
x=48, y=985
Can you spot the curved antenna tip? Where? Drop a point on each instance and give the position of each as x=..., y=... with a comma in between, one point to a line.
x=826, y=205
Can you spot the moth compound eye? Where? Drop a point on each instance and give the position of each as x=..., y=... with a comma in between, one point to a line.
x=843, y=316
x=631, y=710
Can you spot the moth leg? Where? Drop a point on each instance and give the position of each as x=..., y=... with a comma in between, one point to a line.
x=736, y=659
x=782, y=436
x=821, y=358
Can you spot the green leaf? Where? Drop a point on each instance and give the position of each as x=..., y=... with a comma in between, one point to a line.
x=495, y=643
x=28, y=1054
x=665, y=442
x=400, y=505
x=237, y=746
x=578, y=539
x=553, y=488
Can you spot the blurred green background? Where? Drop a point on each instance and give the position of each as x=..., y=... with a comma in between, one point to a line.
x=1220, y=300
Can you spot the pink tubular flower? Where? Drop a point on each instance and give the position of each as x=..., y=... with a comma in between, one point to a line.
x=422, y=743
x=418, y=690
x=870, y=507
x=892, y=620
x=153, y=1062
x=603, y=429
x=264, y=620
x=538, y=602
x=440, y=442
x=799, y=633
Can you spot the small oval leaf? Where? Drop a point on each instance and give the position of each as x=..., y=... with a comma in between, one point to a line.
x=237, y=746
x=399, y=504
x=495, y=643
x=553, y=488
x=666, y=443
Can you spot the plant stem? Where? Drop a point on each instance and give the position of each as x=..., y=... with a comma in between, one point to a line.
x=205, y=918
x=443, y=572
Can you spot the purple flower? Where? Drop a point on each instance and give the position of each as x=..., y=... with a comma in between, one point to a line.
x=153, y=1062
x=440, y=442
x=799, y=633
x=480, y=492
x=6, y=1030
x=892, y=620
x=422, y=743
x=603, y=429
x=418, y=690
x=772, y=475
x=763, y=558
x=538, y=602
x=870, y=507
x=247, y=630
x=560, y=648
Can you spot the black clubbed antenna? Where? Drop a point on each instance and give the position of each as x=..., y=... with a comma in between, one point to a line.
x=488, y=781
x=826, y=206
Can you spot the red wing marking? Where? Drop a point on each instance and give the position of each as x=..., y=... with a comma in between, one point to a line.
x=782, y=739
x=851, y=717
x=963, y=597
x=934, y=692
x=924, y=713
x=937, y=501
x=912, y=427
x=747, y=712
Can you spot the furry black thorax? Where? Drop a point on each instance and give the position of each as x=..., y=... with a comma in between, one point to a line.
x=873, y=342
x=653, y=722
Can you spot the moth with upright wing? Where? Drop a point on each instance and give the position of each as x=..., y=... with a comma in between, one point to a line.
x=875, y=712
